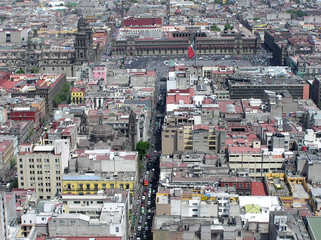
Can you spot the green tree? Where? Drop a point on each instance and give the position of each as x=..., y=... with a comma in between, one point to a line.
x=14, y=184
x=141, y=148
x=13, y=162
x=214, y=27
x=20, y=71
x=256, y=18
x=35, y=69
x=228, y=26
x=66, y=87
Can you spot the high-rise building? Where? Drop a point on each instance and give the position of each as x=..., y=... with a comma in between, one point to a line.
x=41, y=167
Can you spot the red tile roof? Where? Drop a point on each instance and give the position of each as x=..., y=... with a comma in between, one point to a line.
x=258, y=189
x=201, y=126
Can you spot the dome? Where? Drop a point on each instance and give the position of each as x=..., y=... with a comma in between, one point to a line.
x=102, y=130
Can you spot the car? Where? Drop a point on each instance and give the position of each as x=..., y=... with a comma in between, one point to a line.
x=148, y=203
x=143, y=204
x=146, y=228
x=143, y=198
x=139, y=228
x=148, y=217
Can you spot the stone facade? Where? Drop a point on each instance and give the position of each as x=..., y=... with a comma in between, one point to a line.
x=38, y=58
x=178, y=43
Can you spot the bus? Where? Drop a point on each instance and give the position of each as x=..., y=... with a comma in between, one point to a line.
x=145, y=183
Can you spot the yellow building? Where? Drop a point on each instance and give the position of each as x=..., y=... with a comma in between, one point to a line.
x=77, y=95
x=40, y=103
x=90, y=184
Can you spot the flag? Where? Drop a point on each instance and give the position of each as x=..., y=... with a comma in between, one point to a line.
x=192, y=50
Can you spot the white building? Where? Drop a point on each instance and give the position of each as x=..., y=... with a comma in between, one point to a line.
x=255, y=211
x=41, y=167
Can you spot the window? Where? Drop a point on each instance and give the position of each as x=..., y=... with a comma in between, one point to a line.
x=117, y=229
x=72, y=222
x=8, y=37
x=194, y=210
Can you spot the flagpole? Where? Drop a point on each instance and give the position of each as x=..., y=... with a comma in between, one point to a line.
x=195, y=50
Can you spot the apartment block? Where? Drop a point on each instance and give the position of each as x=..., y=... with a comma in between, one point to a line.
x=254, y=160
x=41, y=167
x=198, y=137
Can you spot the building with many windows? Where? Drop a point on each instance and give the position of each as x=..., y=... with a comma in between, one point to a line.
x=77, y=95
x=154, y=41
x=197, y=137
x=91, y=184
x=41, y=167
x=45, y=59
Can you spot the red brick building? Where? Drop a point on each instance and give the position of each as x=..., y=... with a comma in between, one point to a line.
x=26, y=114
x=132, y=21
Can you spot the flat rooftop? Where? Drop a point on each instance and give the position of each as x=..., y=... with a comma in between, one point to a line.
x=314, y=224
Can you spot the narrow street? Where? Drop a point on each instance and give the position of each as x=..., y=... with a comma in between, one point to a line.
x=144, y=209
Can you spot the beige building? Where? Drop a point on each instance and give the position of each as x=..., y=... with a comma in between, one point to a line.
x=6, y=154
x=192, y=138
x=254, y=159
x=41, y=167
x=40, y=103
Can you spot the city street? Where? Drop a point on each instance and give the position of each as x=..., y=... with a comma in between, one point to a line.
x=144, y=201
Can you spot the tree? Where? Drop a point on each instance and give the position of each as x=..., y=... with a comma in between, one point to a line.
x=66, y=87
x=13, y=162
x=141, y=148
x=214, y=27
x=14, y=184
x=20, y=71
x=228, y=26
x=35, y=69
